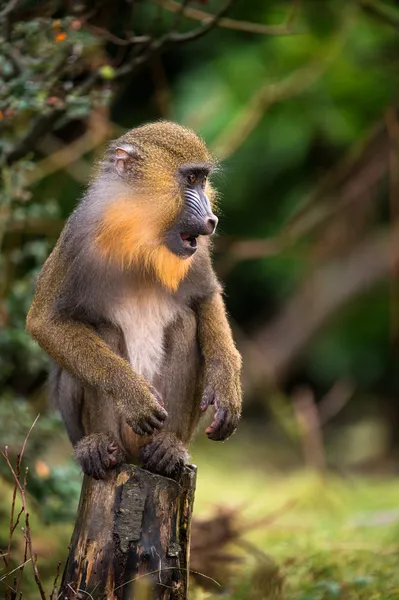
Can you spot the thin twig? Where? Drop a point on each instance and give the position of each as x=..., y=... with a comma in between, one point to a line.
x=159, y=44
x=97, y=132
x=270, y=94
x=110, y=37
x=54, y=590
x=165, y=569
x=228, y=23
x=320, y=296
x=17, y=520
x=335, y=400
x=180, y=13
x=18, y=471
x=27, y=532
x=80, y=591
x=22, y=488
x=200, y=31
x=309, y=428
x=14, y=496
x=47, y=121
x=20, y=455
x=384, y=12
x=19, y=582
x=71, y=588
x=42, y=124
x=13, y=571
x=12, y=5
x=337, y=176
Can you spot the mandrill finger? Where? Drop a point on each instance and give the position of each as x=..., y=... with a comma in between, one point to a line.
x=138, y=430
x=207, y=399
x=160, y=414
x=155, y=423
x=151, y=460
x=160, y=452
x=227, y=429
x=91, y=464
x=98, y=469
x=105, y=457
x=115, y=454
x=148, y=427
x=147, y=451
x=213, y=431
x=226, y=424
x=167, y=462
x=143, y=428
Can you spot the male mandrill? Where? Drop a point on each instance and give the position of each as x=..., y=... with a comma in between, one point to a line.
x=131, y=311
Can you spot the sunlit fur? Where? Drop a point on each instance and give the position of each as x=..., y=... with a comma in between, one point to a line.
x=132, y=227
x=119, y=341
x=130, y=235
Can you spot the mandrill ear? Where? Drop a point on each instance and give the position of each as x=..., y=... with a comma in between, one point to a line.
x=124, y=154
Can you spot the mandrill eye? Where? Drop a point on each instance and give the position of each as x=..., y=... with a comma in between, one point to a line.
x=203, y=182
x=191, y=178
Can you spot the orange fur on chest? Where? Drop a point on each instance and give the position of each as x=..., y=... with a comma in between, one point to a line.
x=129, y=234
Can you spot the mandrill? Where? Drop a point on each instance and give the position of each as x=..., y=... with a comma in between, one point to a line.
x=130, y=310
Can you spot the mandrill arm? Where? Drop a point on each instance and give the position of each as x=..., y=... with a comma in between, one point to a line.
x=222, y=368
x=76, y=347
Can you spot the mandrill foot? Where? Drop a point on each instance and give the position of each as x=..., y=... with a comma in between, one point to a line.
x=165, y=454
x=97, y=453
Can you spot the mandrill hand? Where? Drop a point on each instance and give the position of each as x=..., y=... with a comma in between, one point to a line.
x=223, y=391
x=144, y=410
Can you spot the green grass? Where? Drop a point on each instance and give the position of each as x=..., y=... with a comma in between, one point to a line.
x=333, y=538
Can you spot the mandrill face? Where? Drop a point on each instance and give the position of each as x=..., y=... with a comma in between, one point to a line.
x=164, y=205
x=196, y=216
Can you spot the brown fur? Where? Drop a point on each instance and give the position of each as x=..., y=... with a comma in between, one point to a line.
x=90, y=304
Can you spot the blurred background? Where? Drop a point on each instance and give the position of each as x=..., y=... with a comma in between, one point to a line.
x=299, y=101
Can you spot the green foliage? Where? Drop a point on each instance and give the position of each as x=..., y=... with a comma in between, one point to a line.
x=283, y=111
x=16, y=418
x=292, y=146
x=57, y=494
x=264, y=182
x=36, y=53
x=54, y=488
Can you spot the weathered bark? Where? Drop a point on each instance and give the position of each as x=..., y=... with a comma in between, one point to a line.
x=128, y=526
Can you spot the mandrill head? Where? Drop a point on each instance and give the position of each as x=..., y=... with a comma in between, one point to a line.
x=159, y=207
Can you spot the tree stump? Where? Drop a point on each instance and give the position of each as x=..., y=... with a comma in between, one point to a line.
x=131, y=538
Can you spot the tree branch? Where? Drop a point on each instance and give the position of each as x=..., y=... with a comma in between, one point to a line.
x=46, y=122
x=324, y=293
x=9, y=8
x=200, y=31
x=43, y=124
x=270, y=94
x=387, y=14
x=114, y=39
x=227, y=23
x=159, y=44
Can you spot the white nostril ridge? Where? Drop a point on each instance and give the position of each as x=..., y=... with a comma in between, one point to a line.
x=211, y=224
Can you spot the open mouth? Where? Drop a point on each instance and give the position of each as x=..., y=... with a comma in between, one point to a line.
x=189, y=240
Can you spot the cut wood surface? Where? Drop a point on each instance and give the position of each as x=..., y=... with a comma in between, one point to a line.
x=131, y=538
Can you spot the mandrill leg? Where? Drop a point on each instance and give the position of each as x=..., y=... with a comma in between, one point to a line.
x=179, y=386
